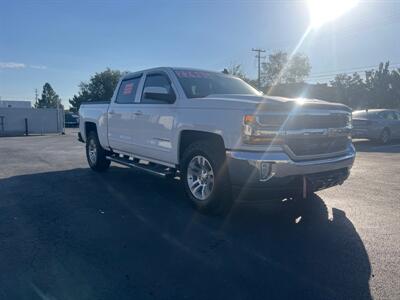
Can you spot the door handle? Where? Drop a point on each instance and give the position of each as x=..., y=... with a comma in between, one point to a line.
x=138, y=113
x=111, y=112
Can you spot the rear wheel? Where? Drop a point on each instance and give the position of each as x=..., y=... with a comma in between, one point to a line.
x=385, y=136
x=95, y=154
x=205, y=178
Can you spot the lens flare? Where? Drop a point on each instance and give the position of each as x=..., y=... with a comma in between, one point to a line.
x=323, y=11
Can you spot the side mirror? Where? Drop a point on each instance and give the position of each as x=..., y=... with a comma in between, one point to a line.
x=158, y=93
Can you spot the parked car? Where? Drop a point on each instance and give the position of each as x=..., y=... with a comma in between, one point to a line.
x=381, y=125
x=216, y=132
x=71, y=120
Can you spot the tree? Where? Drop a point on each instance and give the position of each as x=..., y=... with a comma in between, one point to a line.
x=49, y=98
x=280, y=68
x=236, y=70
x=382, y=86
x=395, y=84
x=77, y=100
x=350, y=90
x=100, y=87
x=379, y=89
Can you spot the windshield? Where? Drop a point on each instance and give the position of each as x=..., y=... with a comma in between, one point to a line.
x=200, y=84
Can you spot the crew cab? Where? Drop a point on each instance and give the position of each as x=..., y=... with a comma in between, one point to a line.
x=215, y=132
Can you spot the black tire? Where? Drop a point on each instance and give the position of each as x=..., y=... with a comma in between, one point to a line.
x=219, y=201
x=385, y=137
x=98, y=163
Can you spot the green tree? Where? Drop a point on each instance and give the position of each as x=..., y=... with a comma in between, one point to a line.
x=351, y=90
x=382, y=86
x=100, y=87
x=49, y=98
x=237, y=70
x=281, y=68
x=395, y=84
x=379, y=89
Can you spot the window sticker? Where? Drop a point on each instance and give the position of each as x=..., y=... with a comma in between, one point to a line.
x=128, y=88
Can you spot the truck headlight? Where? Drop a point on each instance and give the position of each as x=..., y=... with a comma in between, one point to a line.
x=255, y=134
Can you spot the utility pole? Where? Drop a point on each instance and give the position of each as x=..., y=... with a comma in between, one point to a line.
x=36, y=95
x=259, y=57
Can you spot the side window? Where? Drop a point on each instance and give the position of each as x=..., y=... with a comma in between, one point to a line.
x=390, y=115
x=157, y=80
x=127, y=91
x=384, y=115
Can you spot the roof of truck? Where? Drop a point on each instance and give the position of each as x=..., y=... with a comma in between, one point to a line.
x=130, y=74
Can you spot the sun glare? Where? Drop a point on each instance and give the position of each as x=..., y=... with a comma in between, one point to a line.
x=300, y=101
x=322, y=11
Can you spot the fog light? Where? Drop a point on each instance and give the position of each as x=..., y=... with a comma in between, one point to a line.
x=265, y=170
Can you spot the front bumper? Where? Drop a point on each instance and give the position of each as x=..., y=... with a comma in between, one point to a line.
x=263, y=169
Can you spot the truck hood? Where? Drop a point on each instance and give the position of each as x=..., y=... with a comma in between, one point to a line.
x=267, y=103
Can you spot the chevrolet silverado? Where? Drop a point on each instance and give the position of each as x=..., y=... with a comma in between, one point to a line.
x=215, y=132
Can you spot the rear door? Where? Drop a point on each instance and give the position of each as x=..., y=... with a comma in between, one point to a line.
x=391, y=122
x=154, y=125
x=121, y=115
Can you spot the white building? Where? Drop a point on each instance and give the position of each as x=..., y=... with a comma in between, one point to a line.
x=15, y=103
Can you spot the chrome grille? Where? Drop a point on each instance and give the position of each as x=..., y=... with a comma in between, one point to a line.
x=311, y=134
x=304, y=121
x=307, y=146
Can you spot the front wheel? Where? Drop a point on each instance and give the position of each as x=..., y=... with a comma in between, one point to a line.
x=95, y=154
x=205, y=178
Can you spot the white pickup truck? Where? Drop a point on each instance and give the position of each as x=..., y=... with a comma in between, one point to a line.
x=215, y=132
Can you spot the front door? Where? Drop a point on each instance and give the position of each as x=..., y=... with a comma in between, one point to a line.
x=155, y=120
x=397, y=124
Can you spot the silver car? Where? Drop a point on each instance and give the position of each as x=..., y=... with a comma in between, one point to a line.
x=381, y=125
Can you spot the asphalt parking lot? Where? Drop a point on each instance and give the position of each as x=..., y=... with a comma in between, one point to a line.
x=69, y=233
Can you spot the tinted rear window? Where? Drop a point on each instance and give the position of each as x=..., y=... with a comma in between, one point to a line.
x=127, y=90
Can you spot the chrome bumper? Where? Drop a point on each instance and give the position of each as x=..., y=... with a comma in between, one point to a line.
x=257, y=168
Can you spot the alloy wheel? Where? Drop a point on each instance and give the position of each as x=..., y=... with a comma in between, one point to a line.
x=200, y=177
x=92, y=150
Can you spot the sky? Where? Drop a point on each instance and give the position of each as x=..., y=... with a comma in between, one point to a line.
x=66, y=42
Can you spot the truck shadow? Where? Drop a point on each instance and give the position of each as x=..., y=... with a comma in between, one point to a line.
x=124, y=235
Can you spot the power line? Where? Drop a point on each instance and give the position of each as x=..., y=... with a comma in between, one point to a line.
x=330, y=75
x=258, y=56
x=348, y=71
x=325, y=79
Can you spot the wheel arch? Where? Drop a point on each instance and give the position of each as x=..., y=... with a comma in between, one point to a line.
x=188, y=137
x=90, y=127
